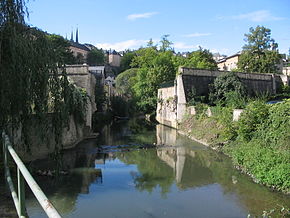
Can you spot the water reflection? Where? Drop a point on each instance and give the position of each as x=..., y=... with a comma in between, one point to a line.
x=178, y=178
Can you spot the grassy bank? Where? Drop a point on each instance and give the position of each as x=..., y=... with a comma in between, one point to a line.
x=259, y=143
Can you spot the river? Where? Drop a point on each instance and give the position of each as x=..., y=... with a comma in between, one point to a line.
x=120, y=174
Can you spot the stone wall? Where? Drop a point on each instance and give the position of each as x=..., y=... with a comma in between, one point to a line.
x=81, y=77
x=40, y=145
x=40, y=137
x=166, y=107
x=255, y=83
x=172, y=101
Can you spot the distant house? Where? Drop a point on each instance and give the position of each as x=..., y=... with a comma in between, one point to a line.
x=217, y=57
x=114, y=59
x=229, y=63
x=80, y=51
x=110, y=81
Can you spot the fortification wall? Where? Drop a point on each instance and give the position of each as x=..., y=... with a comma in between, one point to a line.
x=81, y=77
x=166, y=107
x=40, y=137
x=171, y=112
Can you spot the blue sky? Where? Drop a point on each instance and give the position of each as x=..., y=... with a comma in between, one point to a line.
x=218, y=25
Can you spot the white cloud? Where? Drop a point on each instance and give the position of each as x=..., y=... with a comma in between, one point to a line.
x=123, y=45
x=256, y=16
x=196, y=35
x=138, y=16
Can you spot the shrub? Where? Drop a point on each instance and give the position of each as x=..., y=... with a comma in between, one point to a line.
x=252, y=118
x=226, y=86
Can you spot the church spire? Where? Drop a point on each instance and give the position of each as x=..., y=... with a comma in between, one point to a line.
x=72, y=36
x=77, y=35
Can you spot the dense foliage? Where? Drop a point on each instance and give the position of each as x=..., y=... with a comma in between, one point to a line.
x=125, y=82
x=263, y=145
x=154, y=66
x=259, y=143
x=96, y=57
x=260, y=54
x=126, y=60
x=202, y=59
x=32, y=73
x=227, y=89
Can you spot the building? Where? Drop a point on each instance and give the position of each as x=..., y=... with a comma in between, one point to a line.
x=217, y=57
x=80, y=51
x=114, y=59
x=229, y=63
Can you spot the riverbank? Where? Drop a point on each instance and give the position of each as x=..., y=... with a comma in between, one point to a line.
x=258, y=143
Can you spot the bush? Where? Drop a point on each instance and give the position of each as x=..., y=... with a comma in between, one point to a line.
x=262, y=146
x=227, y=87
x=255, y=114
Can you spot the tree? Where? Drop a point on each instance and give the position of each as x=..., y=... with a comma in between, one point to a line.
x=61, y=49
x=155, y=68
x=260, y=54
x=96, y=57
x=32, y=75
x=202, y=59
x=126, y=60
x=125, y=82
x=165, y=44
x=227, y=89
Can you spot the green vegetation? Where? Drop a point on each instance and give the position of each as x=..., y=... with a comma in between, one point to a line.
x=153, y=66
x=127, y=60
x=202, y=59
x=125, y=82
x=32, y=74
x=260, y=54
x=258, y=143
x=227, y=89
x=96, y=57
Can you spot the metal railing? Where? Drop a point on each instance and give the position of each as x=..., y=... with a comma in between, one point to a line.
x=22, y=176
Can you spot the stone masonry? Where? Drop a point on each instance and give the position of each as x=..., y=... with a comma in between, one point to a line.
x=172, y=101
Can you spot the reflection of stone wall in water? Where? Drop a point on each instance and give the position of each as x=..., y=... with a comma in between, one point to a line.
x=165, y=135
x=81, y=166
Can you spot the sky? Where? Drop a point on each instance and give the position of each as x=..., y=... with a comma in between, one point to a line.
x=217, y=25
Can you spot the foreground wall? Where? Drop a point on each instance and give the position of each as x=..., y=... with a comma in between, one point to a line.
x=40, y=135
x=81, y=77
x=38, y=139
x=172, y=101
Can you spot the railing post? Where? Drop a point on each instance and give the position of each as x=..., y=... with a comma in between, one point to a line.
x=21, y=193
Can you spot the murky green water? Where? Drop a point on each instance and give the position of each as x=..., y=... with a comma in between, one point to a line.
x=180, y=178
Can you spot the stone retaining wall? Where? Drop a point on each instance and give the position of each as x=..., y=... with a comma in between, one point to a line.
x=172, y=101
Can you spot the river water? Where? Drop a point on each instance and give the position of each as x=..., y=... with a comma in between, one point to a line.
x=116, y=175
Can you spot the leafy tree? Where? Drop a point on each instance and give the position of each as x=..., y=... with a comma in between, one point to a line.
x=61, y=49
x=154, y=67
x=150, y=43
x=126, y=60
x=260, y=54
x=227, y=86
x=96, y=57
x=165, y=44
x=202, y=59
x=125, y=82
x=32, y=74
x=100, y=95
